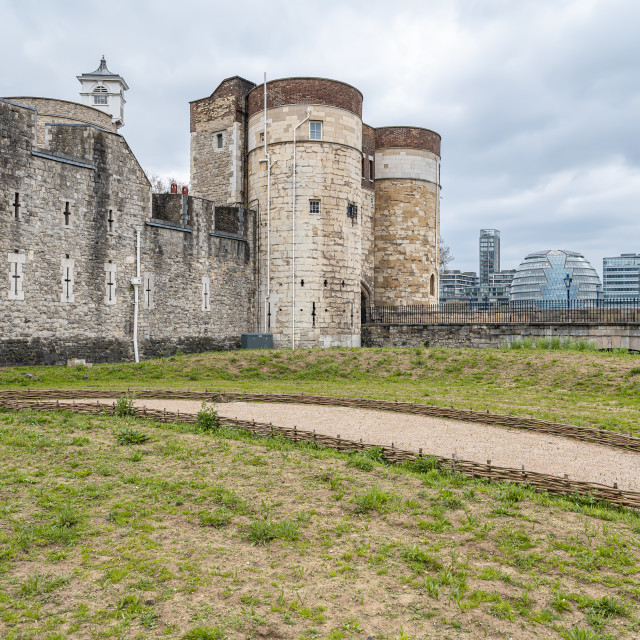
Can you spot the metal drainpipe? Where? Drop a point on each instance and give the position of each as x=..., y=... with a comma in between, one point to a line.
x=293, y=237
x=136, y=281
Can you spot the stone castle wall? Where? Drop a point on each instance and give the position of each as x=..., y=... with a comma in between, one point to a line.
x=218, y=164
x=494, y=336
x=69, y=254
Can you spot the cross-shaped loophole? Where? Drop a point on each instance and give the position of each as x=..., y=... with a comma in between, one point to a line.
x=110, y=284
x=16, y=205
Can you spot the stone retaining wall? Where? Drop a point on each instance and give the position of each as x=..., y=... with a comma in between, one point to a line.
x=483, y=336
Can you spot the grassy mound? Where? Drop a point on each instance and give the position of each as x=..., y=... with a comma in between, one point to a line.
x=183, y=534
x=588, y=388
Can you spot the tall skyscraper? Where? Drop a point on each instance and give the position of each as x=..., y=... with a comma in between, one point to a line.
x=621, y=276
x=489, y=254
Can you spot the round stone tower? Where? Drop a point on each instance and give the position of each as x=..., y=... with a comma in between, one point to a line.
x=309, y=245
x=406, y=220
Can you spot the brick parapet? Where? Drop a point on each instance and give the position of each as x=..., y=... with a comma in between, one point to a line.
x=407, y=138
x=321, y=91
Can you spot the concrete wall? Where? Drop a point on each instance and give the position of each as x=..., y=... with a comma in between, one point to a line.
x=496, y=335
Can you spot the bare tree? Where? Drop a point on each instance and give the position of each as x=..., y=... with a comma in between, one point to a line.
x=163, y=185
x=446, y=256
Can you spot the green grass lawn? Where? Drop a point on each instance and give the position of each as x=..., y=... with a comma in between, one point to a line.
x=587, y=388
x=218, y=535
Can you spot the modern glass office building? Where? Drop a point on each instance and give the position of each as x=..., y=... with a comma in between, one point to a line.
x=489, y=254
x=621, y=276
x=541, y=276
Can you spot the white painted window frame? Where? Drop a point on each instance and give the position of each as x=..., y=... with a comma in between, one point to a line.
x=110, y=268
x=312, y=134
x=16, y=268
x=67, y=294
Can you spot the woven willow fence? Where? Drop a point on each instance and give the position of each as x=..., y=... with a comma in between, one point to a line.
x=585, y=434
x=539, y=481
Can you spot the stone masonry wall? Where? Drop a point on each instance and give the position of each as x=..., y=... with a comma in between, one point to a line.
x=406, y=242
x=218, y=172
x=496, y=335
x=69, y=255
x=63, y=111
x=328, y=244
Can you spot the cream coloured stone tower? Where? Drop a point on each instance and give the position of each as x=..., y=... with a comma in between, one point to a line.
x=406, y=221
x=348, y=215
x=310, y=261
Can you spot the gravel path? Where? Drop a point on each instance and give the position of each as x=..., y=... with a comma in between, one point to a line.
x=468, y=440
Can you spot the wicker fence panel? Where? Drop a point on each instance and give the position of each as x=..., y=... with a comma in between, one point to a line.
x=539, y=481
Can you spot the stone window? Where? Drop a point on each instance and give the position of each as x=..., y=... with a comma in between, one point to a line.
x=67, y=211
x=218, y=141
x=363, y=166
x=352, y=211
x=148, y=290
x=111, y=221
x=15, y=205
x=315, y=130
x=371, y=175
x=100, y=95
x=16, y=265
x=67, y=280
x=109, y=283
x=432, y=285
x=314, y=206
x=206, y=294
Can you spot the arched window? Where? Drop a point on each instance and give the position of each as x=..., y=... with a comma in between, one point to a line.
x=100, y=95
x=432, y=285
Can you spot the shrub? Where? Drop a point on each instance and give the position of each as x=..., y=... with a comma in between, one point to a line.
x=208, y=420
x=126, y=435
x=125, y=406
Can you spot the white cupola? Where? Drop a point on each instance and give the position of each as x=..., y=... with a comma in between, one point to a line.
x=105, y=91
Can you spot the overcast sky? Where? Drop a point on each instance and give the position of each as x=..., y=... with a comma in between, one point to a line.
x=537, y=101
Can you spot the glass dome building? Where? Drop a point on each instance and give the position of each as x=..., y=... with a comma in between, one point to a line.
x=541, y=277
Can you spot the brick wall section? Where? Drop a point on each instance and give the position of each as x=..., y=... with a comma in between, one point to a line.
x=63, y=111
x=408, y=138
x=368, y=150
x=44, y=327
x=306, y=91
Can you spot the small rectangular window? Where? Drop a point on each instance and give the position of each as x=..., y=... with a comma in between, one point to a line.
x=352, y=211
x=219, y=140
x=314, y=206
x=363, y=167
x=315, y=130
x=99, y=99
x=371, y=170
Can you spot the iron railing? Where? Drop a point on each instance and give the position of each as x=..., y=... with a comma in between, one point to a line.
x=620, y=311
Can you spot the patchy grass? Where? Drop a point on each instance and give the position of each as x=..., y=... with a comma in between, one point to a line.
x=579, y=387
x=224, y=534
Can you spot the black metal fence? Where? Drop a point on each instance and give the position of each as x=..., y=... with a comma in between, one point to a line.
x=622, y=311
